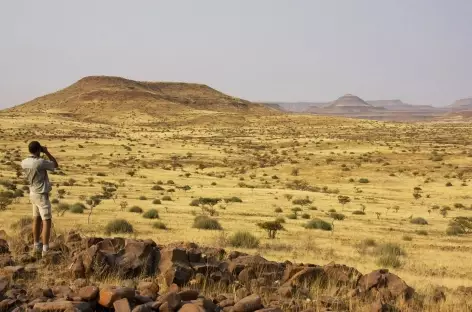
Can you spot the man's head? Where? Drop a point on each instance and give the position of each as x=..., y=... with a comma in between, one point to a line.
x=35, y=148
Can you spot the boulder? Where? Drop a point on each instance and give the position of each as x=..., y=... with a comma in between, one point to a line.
x=110, y=294
x=139, y=258
x=149, y=289
x=341, y=275
x=307, y=276
x=178, y=274
x=384, y=285
x=248, y=304
x=142, y=308
x=188, y=295
x=170, y=301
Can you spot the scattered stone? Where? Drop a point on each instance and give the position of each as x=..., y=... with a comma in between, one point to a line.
x=188, y=295
x=60, y=306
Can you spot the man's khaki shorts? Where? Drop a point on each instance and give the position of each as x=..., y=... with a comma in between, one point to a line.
x=41, y=206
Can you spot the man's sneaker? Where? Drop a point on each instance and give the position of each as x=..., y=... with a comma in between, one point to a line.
x=36, y=252
x=44, y=253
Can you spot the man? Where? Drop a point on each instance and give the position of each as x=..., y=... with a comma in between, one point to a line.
x=36, y=169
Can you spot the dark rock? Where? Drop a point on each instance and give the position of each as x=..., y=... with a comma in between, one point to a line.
x=307, y=276
x=7, y=304
x=178, y=274
x=149, y=289
x=170, y=301
x=142, y=308
x=15, y=271
x=4, y=282
x=62, y=291
x=226, y=303
x=188, y=295
x=4, y=246
x=340, y=274
x=6, y=260
x=143, y=299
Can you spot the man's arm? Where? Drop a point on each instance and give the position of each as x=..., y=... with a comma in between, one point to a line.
x=51, y=158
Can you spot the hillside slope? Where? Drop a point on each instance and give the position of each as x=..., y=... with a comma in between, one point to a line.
x=115, y=97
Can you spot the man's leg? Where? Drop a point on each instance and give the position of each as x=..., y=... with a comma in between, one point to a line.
x=36, y=227
x=46, y=234
x=46, y=216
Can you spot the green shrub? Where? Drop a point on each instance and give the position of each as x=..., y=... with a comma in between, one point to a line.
x=358, y=212
x=118, y=226
x=292, y=216
x=318, y=224
x=77, y=208
x=363, y=180
x=55, y=201
x=332, y=210
x=243, y=239
x=22, y=222
x=306, y=216
x=337, y=216
x=280, y=219
x=419, y=220
x=454, y=229
x=367, y=242
x=389, y=255
x=206, y=223
x=421, y=232
x=278, y=210
x=157, y=188
x=407, y=238
x=301, y=201
x=156, y=201
x=233, y=199
x=142, y=197
x=159, y=225
x=166, y=198
x=136, y=209
x=151, y=214
x=312, y=208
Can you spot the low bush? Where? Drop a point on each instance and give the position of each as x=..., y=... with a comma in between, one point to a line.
x=421, y=232
x=419, y=220
x=77, y=208
x=280, y=219
x=358, y=212
x=306, y=216
x=166, y=198
x=206, y=223
x=243, y=239
x=337, y=216
x=136, y=209
x=278, y=210
x=118, y=226
x=159, y=225
x=233, y=199
x=156, y=201
x=363, y=180
x=389, y=255
x=151, y=214
x=142, y=197
x=292, y=216
x=407, y=238
x=318, y=224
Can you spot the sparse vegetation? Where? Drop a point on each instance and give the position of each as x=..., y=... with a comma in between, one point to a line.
x=118, y=226
x=206, y=223
x=318, y=224
x=151, y=214
x=243, y=239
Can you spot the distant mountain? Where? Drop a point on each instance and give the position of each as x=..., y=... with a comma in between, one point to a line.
x=296, y=107
x=462, y=104
x=398, y=105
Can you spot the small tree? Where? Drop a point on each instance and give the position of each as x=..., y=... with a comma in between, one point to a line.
x=61, y=193
x=378, y=215
x=123, y=205
x=272, y=227
x=93, y=202
x=343, y=200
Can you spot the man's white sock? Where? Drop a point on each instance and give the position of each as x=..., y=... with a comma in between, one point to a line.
x=45, y=247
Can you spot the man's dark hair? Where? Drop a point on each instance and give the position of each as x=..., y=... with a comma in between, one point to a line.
x=34, y=147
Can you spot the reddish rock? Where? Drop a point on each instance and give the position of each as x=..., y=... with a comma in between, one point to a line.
x=173, y=288
x=142, y=308
x=4, y=282
x=15, y=271
x=170, y=301
x=88, y=293
x=7, y=304
x=191, y=307
x=60, y=306
x=109, y=295
x=226, y=303
x=248, y=304
x=149, y=289
x=62, y=291
x=340, y=274
x=384, y=285
x=122, y=305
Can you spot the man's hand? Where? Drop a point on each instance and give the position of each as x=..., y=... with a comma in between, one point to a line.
x=44, y=149
x=51, y=158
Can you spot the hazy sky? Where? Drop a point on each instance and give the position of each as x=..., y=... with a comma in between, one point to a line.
x=419, y=51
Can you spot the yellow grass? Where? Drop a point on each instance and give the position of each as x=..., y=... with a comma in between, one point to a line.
x=252, y=150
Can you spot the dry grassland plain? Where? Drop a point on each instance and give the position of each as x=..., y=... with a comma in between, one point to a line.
x=393, y=173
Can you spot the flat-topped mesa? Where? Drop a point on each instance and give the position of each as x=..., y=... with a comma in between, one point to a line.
x=110, y=97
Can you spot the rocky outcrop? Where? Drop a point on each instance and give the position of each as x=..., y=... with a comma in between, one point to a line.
x=247, y=283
